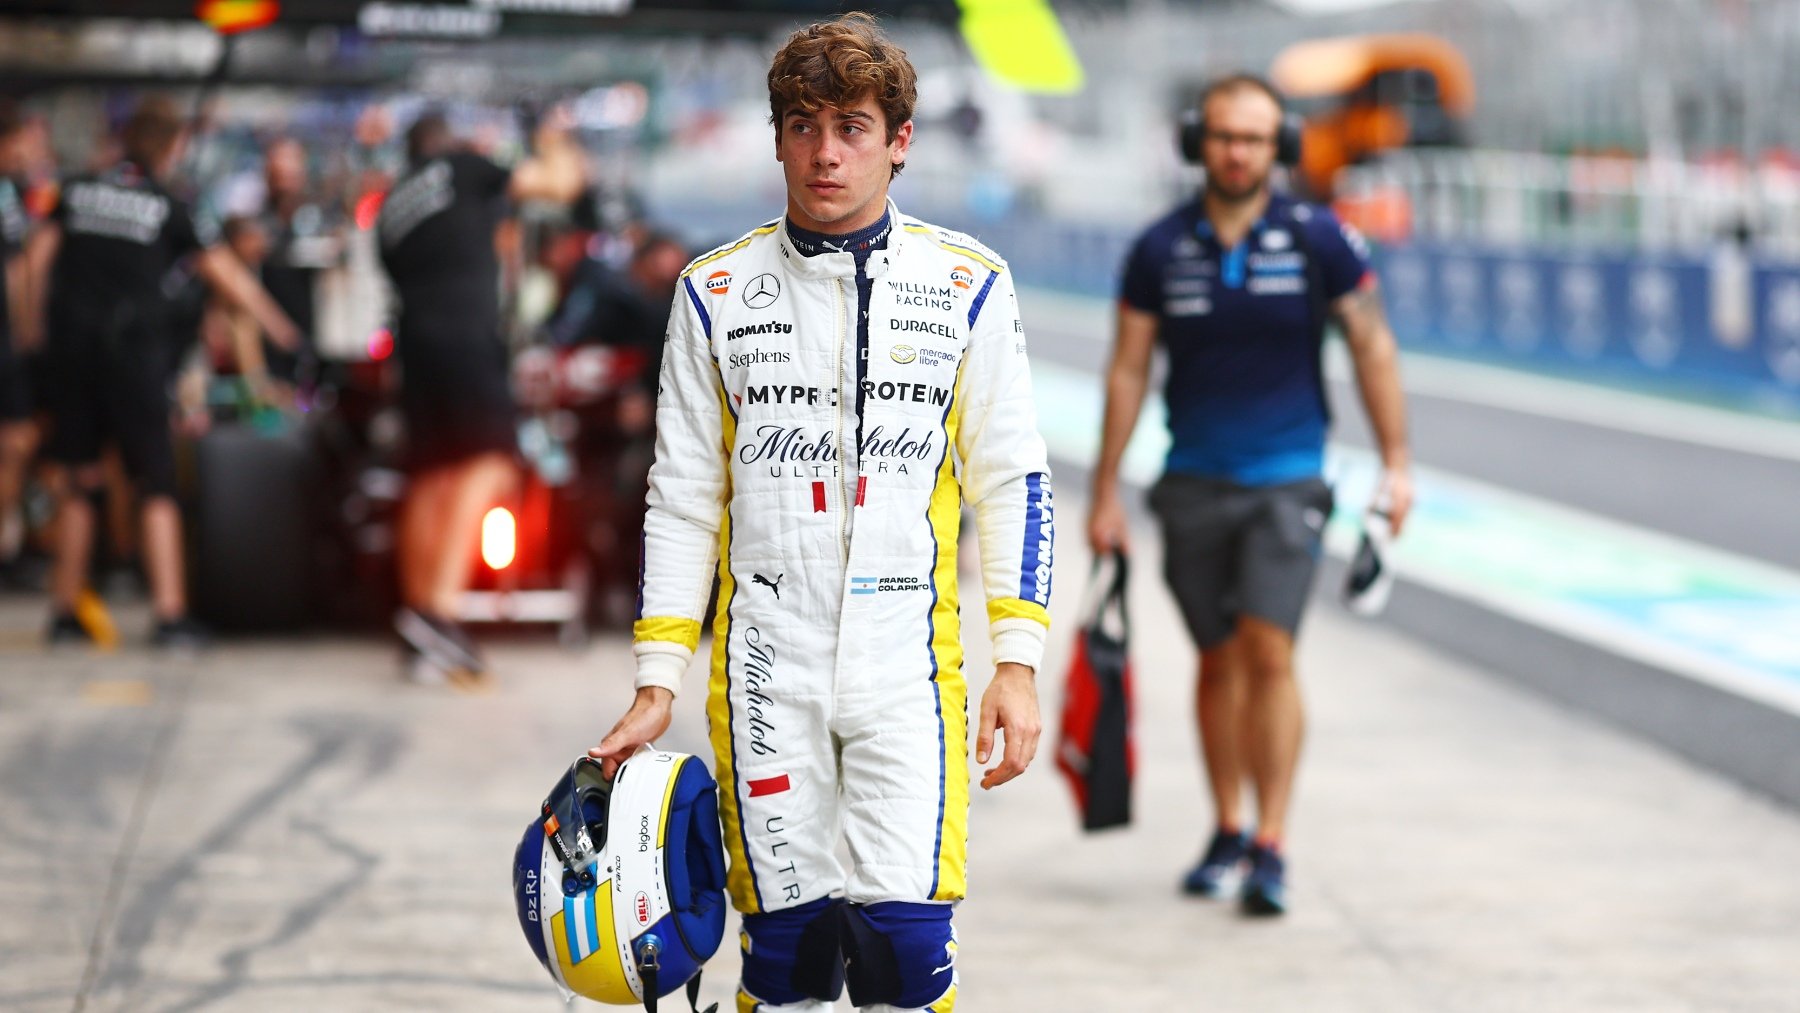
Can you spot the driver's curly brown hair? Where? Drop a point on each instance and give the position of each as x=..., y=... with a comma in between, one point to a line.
x=839, y=63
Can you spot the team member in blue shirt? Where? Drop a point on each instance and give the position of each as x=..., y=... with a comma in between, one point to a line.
x=1236, y=287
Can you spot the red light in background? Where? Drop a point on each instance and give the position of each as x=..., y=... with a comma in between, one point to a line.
x=381, y=344
x=499, y=538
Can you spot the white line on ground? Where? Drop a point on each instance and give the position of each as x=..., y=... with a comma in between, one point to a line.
x=1357, y=469
x=1588, y=404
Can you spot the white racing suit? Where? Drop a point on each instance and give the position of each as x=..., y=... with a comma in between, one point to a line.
x=837, y=699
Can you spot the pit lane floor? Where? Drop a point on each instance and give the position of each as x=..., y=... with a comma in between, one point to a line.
x=284, y=825
x=1624, y=553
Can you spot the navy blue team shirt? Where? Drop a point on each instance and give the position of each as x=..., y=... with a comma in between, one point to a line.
x=1245, y=388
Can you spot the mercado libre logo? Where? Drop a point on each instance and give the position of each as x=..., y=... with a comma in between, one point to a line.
x=718, y=283
x=903, y=354
x=962, y=276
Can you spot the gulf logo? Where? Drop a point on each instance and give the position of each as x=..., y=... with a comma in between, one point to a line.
x=718, y=282
x=962, y=276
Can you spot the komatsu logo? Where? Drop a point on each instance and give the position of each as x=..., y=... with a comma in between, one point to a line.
x=769, y=328
x=1040, y=539
x=1045, y=541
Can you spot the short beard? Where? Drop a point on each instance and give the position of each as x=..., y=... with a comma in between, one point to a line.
x=1224, y=196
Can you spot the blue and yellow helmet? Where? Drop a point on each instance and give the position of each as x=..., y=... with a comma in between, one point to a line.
x=620, y=885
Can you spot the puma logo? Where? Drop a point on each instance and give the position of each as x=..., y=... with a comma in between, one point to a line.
x=950, y=954
x=773, y=585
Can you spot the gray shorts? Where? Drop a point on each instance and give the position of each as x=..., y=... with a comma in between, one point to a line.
x=1231, y=550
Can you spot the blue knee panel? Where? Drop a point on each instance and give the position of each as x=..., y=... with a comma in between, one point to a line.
x=900, y=953
x=792, y=955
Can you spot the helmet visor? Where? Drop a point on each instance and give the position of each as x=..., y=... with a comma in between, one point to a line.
x=574, y=816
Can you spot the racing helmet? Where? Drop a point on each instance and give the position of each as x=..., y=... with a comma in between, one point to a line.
x=620, y=885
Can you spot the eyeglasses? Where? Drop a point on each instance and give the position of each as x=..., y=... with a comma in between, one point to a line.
x=1225, y=140
x=574, y=821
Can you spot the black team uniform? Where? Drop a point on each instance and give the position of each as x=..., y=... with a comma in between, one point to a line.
x=437, y=243
x=15, y=405
x=110, y=348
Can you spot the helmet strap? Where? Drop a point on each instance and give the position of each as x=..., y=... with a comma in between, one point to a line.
x=693, y=991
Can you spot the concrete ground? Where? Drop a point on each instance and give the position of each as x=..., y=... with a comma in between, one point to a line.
x=284, y=825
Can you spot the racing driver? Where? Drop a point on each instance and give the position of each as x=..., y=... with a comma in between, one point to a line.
x=837, y=384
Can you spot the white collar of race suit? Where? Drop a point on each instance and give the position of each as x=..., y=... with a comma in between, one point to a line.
x=843, y=265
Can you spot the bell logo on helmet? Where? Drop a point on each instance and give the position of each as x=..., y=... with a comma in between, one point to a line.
x=642, y=908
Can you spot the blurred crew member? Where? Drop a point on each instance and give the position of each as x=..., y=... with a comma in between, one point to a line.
x=623, y=308
x=305, y=237
x=18, y=436
x=1236, y=287
x=837, y=384
x=627, y=311
x=233, y=340
x=436, y=230
x=110, y=241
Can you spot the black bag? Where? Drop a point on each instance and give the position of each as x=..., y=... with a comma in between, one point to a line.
x=1095, y=751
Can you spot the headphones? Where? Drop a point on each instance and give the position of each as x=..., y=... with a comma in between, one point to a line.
x=1191, y=133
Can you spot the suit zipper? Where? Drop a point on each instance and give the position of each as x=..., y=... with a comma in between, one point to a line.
x=837, y=299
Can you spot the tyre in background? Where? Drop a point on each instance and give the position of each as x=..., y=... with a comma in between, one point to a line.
x=252, y=530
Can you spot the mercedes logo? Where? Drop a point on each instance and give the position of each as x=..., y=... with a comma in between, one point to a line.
x=762, y=290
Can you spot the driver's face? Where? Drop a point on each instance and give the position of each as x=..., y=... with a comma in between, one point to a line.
x=1238, y=151
x=838, y=162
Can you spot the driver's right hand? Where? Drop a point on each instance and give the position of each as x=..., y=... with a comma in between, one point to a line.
x=647, y=719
